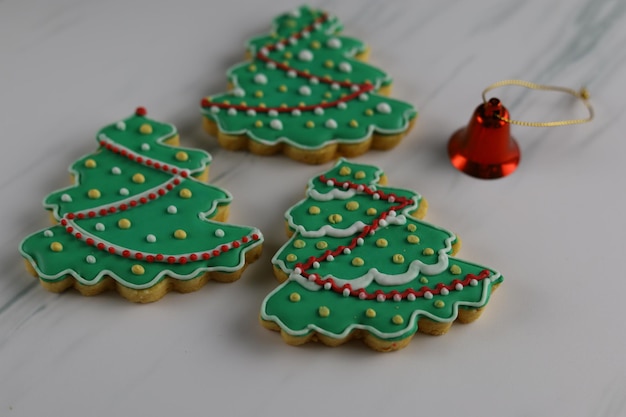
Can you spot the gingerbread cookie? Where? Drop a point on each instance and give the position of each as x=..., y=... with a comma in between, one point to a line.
x=306, y=92
x=361, y=264
x=139, y=220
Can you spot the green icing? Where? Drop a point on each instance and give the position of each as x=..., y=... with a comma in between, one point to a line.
x=323, y=54
x=152, y=226
x=378, y=271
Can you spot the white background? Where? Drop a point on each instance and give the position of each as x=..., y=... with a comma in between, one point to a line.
x=550, y=343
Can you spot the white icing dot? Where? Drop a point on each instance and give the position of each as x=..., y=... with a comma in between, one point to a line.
x=318, y=111
x=428, y=295
x=260, y=79
x=362, y=295
x=311, y=277
x=473, y=282
x=305, y=55
x=219, y=233
x=345, y=67
x=215, y=109
x=333, y=43
x=124, y=191
x=391, y=199
x=330, y=183
x=90, y=259
x=364, y=97
x=280, y=46
x=360, y=241
x=444, y=291
x=314, y=80
x=305, y=90
x=380, y=298
x=347, y=251
x=335, y=86
x=102, y=136
x=120, y=126
x=48, y=233
x=346, y=292
x=316, y=265
x=330, y=258
x=291, y=74
x=151, y=238
x=145, y=147
x=251, y=112
x=293, y=41
x=272, y=113
x=276, y=124
x=392, y=213
x=355, y=88
x=172, y=210
x=331, y=124
x=458, y=287
x=264, y=51
x=383, y=223
x=100, y=227
x=270, y=65
x=116, y=171
x=238, y=92
x=397, y=297
x=384, y=108
x=298, y=271
x=328, y=286
x=376, y=196
x=294, y=13
x=306, y=34
x=342, y=105
x=296, y=112
x=232, y=112
x=410, y=297
x=66, y=198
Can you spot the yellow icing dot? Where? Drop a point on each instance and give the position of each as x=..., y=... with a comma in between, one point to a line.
x=411, y=227
x=90, y=163
x=306, y=71
x=282, y=88
x=354, y=123
x=288, y=55
x=398, y=258
x=321, y=245
x=137, y=269
x=359, y=175
x=252, y=68
x=299, y=243
x=342, y=95
x=145, y=129
x=56, y=247
x=94, y=194
x=424, y=280
x=226, y=102
x=258, y=93
x=335, y=218
x=428, y=251
x=294, y=297
x=371, y=211
x=314, y=210
x=181, y=156
x=348, y=80
x=310, y=124
x=291, y=23
x=455, y=270
x=286, y=63
x=381, y=243
x=124, y=224
x=208, y=99
x=323, y=311
x=262, y=105
x=397, y=319
x=258, y=123
x=283, y=105
x=138, y=178
x=328, y=94
x=369, y=112
x=291, y=257
x=370, y=313
x=413, y=239
x=185, y=193
x=345, y=170
x=358, y=261
x=302, y=104
x=329, y=63
x=327, y=77
x=180, y=234
x=244, y=104
x=439, y=304
x=315, y=45
x=352, y=205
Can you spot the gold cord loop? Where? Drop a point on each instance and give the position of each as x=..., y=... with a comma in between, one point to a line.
x=582, y=94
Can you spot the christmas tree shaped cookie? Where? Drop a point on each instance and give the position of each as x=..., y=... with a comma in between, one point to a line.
x=307, y=92
x=139, y=220
x=361, y=264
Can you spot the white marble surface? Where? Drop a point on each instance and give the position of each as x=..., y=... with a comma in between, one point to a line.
x=552, y=340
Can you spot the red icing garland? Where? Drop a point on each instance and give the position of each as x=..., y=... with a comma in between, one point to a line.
x=263, y=56
x=346, y=289
x=68, y=220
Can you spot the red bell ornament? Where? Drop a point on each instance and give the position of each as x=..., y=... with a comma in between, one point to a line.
x=485, y=148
